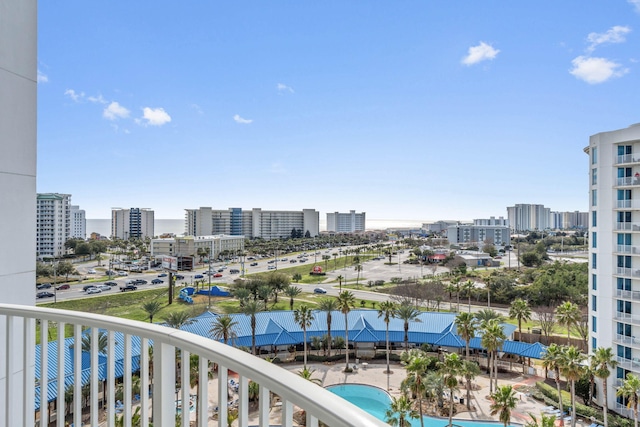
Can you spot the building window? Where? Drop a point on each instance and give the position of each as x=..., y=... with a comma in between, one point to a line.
x=594, y=260
x=594, y=304
x=594, y=218
x=594, y=197
x=594, y=239
x=594, y=324
x=594, y=176
x=594, y=282
x=594, y=344
x=594, y=155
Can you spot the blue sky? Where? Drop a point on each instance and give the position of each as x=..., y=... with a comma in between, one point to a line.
x=405, y=110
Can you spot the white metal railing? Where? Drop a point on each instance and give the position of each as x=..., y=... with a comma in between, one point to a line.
x=628, y=226
x=170, y=348
x=627, y=272
x=628, y=203
x=628, y=180
x=630, y=364
x=627, y=158
x=629, y=318
x=623, y=410
x=626, y=340
x=634, y=295
x=628, y=249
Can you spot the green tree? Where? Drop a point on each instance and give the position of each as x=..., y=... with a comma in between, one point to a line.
x=572, y=369
x=304, y=318
x=552, y=360
x=346, y=301
x=492, y=338
x=152, y=308
x=358, y=268
x=224, y=328
x=292, y=292
x=399, y=412
x=568, y=314
x=387, y=311
x=603, y=361
x=520, y=311
x=469, y=371
x=307, y=374
x=178, y=319
x=468, y=288
x=340, y=279
x=251, y=309
x=450, y=368
x=545, y=421
x=65, y=268
x=417, y=368
x=407, y=313
x=328, y=305
x=504, y=401
x=630, y=390
x=466, y=327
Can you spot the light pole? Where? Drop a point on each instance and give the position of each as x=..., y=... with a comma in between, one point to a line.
x=210, y=255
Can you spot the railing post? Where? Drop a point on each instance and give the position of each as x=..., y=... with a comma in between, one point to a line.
x=223, y=388
x=264, y=403
x=203, y=392
x=144, y=382
x=243, y=404
x=164, y=385
x=77, y=375
x=94, y=376
x=44, y=373
x=126, y=378
x=9, y=416
x=60, y=404
x=287, y=414
x=111, y=379
x=185, y=383
x=29, y=352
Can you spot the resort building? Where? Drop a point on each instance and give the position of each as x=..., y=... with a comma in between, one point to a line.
x=134, y=223
x=614, y=251
x=254, y=223
x=53, y=224
x=191, y=246
x=525, y=217
x=569, y=220
x=438, y=226
x=351, y=222
x=78, y=223
x=480, y=232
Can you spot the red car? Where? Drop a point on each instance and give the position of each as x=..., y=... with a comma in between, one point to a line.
x=63, y=287
x=217, y=275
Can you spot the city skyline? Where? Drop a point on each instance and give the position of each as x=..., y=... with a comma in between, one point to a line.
x=428, y=111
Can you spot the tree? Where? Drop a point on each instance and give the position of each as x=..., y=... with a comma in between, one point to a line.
x=152, y=308
x=399, y=412
x=546, y=320
x=469, y=371
x=307, y=374
x=304, y=318
x=487, y=314
x=520, y=311
x=450, y=367
x=178, y=319
x=467, y=287
x=358, y=268
x=340, y=279
x=466, y=327
x=224, y=328
x=492, y=339
x=552, y=359
x=407, y=313
x=603, y=359
x=387, y=311
x=545, y=421
x=65, y=268
x=328, y=305
x=572, y=369
x=326, y=259
x=630, y=390
x=567, y=315
x=292, y=292
x=251, y=309
x=346, y=301
x=417, y=368
x=504, y=401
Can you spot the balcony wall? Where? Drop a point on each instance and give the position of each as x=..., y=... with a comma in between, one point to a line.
x=127, y=349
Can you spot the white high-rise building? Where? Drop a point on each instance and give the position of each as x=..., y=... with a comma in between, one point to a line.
x=525, y=217
x=346, y=222
x=78, y=223
x=614, y=251
x=18, y=80
x=53, y=224
x=134, y=223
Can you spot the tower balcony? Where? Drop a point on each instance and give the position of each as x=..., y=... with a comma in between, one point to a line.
x=628, y=249
x=632, y=295
x=628, y=272
x=152, y=368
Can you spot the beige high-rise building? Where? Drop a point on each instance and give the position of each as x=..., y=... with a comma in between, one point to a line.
x=134, y=223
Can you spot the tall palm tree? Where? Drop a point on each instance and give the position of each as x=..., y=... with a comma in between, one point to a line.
x=568, y=314
x=224, y=328
x=303, y=316
x=450, y=367
x=252, y=308
x=340, y=279
x=387, y=311
x=487, y=314
x=178, y=319
x=467, y=287
x=152, y=308
x=407, y=313
x=603, y=360
x=552, y=360
x=358, y=269
x=466, y=327
x=399, y=412
x=346, y=301
x=504, y=401
x=492, y=338
x=520, y=311
x=416, y=370
x=469, y=371
x=456, y=285
x=572, y=369
x=630, y=390
x=328, y=305
x=292, y=292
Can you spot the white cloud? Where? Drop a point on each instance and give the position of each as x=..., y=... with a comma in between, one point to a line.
x=284, y=88
x=115, y=111
x=75, y=96
x=42, y=77
x=479, y=53
x=635, y=4
x=614, y=35
x=242, y=121
x=97, y=99
x=154, y=117
x=198, y=109
x=595, y=70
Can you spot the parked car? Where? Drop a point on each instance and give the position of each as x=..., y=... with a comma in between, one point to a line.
x=45, y=294
x=63, y=287
x=179, y=276
x=217, y=275
x=43, y=286
x=128, y=288
x=92, y=271
x=104, y=287
x=234, y=271
x=109, y=273
x=271, y=267
x=85, y=287
x=198, y=276
x=93, y=290
x=139, y=282
x=319, y=291
x=253, y=264
x=157, y=281
x=293, y=261
x=162, y=275
x=122, y=273
x=112, y=284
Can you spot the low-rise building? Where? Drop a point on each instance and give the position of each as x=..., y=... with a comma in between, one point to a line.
x=188, y=246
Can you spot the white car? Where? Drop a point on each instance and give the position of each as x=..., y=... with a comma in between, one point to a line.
x=93, y=291
x=104, y=287
x=92, y=271
x=122, y=273
x=271, y=267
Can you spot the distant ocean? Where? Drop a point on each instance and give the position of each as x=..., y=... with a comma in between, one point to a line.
x=176, y=226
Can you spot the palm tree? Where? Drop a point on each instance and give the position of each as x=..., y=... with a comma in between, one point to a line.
x=466, y=327
x=387, y=311
x=630, y=390
x=251, y=309
x=152, y=308
x=520, y=311
x=292, y=292
x=487, y=314
x=224, y=328
x=504, y=401
x=602, y=360
x=303, y=317
x=545, y=421
x=328, y=305
x=416, y=368
x=492, y=339
x=307, y=374
x=358, y=268
x=407, y=313
x=469, y=371
x=178, y=319
x=552, y=360
x=572, y=369
x=568, y=314
x=340, y=279
x=467, y=287
x=346, y=301
x=450, y=367
x=399, y=412
x=456, y=285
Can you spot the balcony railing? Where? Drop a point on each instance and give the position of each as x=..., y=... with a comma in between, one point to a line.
x=626, y=340
x=627, y=158
x=628, y=180
x=627, y=249
x=628, y=204
x=634, y=295
x=628, y=318
x=629, y=364
x=627, y=272
x=160, y=355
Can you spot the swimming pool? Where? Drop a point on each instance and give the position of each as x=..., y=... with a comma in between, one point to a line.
x=376, y=401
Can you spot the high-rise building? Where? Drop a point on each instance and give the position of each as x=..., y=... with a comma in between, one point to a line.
x=346, y=222
x=254, y=223
x=614, y=250
x=525, y=217
x=134, y=223
x=78, y=223
x=53, y=224
x=18, y=80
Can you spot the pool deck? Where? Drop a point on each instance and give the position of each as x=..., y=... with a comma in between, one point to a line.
x=373, y=374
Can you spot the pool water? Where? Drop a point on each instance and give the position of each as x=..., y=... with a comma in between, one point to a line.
x=376, y=401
